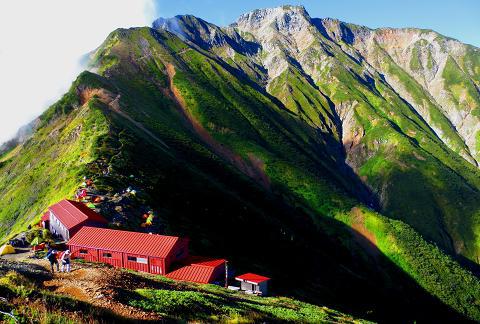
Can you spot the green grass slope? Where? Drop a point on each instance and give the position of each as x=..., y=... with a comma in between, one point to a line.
x=211, y=303
x=50, y=165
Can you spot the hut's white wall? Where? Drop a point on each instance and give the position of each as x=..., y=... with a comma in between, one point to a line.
x=246, y=286
x=56, y=227
x=262, y=287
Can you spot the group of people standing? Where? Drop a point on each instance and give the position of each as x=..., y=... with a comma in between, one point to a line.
x=54, y=256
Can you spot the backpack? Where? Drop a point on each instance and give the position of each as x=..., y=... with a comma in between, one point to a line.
x=52, y=257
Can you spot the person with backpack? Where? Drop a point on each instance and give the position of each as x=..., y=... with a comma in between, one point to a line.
x=66, y=261
x=52, y=258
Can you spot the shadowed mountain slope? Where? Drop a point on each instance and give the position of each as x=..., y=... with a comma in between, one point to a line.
x=407, y=138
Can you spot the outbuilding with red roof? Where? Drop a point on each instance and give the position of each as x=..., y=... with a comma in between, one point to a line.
x=152, y=253
x=199, y=269
x=253, y=283
x=66, y=217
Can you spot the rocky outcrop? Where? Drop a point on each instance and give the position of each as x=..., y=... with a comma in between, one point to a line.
x=440, y=65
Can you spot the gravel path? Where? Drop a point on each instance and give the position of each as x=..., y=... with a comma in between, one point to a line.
x=96, y=284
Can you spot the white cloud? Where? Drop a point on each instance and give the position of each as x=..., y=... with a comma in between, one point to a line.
x=41, y=43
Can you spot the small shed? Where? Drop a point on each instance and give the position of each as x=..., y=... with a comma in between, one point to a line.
x=200, y=270
x=253, y=283
x=66, y=217
x=144, y=252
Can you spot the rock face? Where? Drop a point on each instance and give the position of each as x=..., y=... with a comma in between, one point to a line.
x=387, y=103
x=282, y=33
x=446, y=73
x=438, y=76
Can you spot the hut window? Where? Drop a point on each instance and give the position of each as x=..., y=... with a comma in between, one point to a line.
x=82, y=251
x=132, y=258
x=142, y=260
x=179, y=253
x=107, y=255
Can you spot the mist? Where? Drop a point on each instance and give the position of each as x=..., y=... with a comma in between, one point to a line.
x=41, y=44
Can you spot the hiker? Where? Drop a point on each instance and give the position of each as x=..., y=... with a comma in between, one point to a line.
x=52, y=258
x=66, y=261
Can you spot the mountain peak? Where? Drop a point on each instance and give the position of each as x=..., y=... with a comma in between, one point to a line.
x=285, y=9
x=284, y=17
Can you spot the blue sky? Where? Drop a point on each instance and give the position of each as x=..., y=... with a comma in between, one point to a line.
x=40, y=49
x=459, y=19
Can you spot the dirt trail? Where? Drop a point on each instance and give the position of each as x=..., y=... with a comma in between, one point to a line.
x=254, y=169
x=98, y=285
x=114, y=103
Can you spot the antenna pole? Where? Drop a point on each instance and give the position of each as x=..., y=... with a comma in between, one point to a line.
x=226, y=274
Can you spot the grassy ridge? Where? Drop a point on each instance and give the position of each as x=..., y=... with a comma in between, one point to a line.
x=49, y=166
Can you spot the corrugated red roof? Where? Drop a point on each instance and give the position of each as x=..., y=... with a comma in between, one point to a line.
x=193, y=273
x=204, y=261
x=200, y=269
x=46, y=217
x=72, y=213
x=252, y=277
x=123, y=241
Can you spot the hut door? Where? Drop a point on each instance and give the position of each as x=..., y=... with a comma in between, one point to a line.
x=156, y=266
